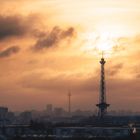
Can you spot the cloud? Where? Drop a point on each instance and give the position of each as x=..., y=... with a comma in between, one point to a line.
x=127, y=43
x=54, y=37
x=9, y=51
x=115, y=69
x=59, y=83
x=16, y=25
x=138, y=76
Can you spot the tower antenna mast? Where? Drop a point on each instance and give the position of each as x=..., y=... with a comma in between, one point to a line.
x=102, y=105
x=69, y=103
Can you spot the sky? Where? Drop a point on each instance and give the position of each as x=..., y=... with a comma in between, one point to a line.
x=51, y=47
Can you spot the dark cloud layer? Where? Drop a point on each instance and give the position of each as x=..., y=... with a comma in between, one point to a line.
x=9, y=51
x=58, y=83
x=119, y=87
x=53, y=37
x=115, y=69
x=17, y=26
x=13, y=26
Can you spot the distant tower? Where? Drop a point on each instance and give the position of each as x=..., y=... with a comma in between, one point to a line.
x=102, y=97
x=69, y=103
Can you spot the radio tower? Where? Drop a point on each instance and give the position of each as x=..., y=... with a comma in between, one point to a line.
x=69, y=103
x=102, y=97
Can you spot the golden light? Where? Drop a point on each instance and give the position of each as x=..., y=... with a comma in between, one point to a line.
x=105, y=45
x=102, y=42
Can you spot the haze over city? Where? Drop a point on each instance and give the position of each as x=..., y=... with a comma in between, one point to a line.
x=48, y=47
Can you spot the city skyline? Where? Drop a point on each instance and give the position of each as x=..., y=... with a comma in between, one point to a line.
x=48, y=47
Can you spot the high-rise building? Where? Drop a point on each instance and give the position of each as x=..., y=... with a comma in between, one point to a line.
x=58, y=112
x=49, y=109
x=3, y=112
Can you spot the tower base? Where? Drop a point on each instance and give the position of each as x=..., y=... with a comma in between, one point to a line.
x=102, y=109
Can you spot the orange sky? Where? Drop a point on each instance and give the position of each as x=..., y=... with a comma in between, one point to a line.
x=50, y=46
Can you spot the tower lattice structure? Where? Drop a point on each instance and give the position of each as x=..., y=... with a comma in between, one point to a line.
x=102, y=97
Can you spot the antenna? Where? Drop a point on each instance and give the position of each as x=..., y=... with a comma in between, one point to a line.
x=102, y=54
x=69, y=103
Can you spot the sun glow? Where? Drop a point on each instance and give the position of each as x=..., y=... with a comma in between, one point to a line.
x=99, y=42
x=105, y=42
